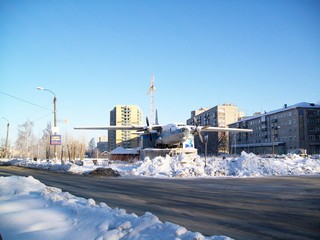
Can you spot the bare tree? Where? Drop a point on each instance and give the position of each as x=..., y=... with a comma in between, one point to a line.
x=221, y=144
x=3, y=147
x=75, y=148
x=26, y=139
x=44, y=143
x=90, y=151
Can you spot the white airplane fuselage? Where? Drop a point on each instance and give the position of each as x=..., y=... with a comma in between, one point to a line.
x=173, y=134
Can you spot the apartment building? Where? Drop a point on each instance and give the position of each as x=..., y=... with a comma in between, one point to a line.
x=124, y=115
x=218, y=116
x=102, y=144
x=280, y=131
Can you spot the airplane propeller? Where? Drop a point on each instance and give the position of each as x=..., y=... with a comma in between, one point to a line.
x=197, y=130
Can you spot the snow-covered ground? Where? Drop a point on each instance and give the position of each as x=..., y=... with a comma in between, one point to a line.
x=31, y=210
x=246, y=165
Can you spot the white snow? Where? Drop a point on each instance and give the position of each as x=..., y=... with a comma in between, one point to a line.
x=31, y=210
x=245, y=165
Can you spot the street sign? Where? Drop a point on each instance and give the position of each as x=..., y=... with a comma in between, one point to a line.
x=64, y=121
x=55, y=139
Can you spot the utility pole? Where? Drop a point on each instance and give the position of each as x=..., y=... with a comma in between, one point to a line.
x=151, y=92
x=55, y=113
x=54, y=117
x=55, y=123
x=7, y=137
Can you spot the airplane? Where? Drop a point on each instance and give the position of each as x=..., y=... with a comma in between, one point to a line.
x=168, y=135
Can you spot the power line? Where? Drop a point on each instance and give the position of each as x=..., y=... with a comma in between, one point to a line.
x=42, y=117
x=22, y=100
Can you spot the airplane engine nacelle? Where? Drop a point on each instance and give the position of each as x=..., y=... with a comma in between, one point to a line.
x=159, y=140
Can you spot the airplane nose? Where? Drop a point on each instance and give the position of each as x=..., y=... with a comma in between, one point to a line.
x=185, y=131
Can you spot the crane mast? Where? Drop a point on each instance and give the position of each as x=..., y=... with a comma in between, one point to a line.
x=151, y=93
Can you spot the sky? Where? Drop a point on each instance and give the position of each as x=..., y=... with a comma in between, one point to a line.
x=94, y=55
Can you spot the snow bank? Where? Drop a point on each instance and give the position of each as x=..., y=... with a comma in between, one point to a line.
x=246, y=165
x=32, y=210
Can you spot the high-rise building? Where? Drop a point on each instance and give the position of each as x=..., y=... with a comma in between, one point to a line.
x=280, y=131
x=218, y=116
x=124, y=115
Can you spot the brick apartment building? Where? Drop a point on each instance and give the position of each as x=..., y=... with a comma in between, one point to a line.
x=218, y=116
x=280, y=131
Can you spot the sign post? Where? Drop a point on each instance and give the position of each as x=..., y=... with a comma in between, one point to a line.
x=205, y=150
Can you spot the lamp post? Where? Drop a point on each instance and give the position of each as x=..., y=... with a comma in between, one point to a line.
x=54, y=115
x=7, y=136
x=205, y=150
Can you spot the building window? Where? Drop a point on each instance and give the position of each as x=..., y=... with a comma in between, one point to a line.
x=206, y=119
x=312, y=128
x=311, y=120
x=312, y=137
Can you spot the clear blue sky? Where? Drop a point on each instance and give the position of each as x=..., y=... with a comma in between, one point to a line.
x=94, y=55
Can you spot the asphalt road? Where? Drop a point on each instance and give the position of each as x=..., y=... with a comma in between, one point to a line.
x=241, y=208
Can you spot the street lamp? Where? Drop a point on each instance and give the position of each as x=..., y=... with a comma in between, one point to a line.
x=6, y=155
x=54, y=115
x=205, y=150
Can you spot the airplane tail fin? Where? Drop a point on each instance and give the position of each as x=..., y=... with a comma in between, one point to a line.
x=157, y=121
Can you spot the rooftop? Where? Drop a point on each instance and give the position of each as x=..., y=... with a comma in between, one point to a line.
x=285, y=108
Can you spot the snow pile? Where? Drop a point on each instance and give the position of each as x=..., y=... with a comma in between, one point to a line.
x=246, y=165
x=179, y=166
x=32, y=210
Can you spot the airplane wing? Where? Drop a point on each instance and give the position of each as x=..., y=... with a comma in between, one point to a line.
x=137, y=128
x=133, y=127
x=222, y=129
x=219, y=129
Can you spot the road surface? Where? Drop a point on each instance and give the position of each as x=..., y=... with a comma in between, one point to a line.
x=241, y=208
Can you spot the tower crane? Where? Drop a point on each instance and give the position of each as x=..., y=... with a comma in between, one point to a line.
x=151, y=93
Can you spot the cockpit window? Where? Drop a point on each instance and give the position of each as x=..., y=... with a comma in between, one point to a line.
x=184, y=129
